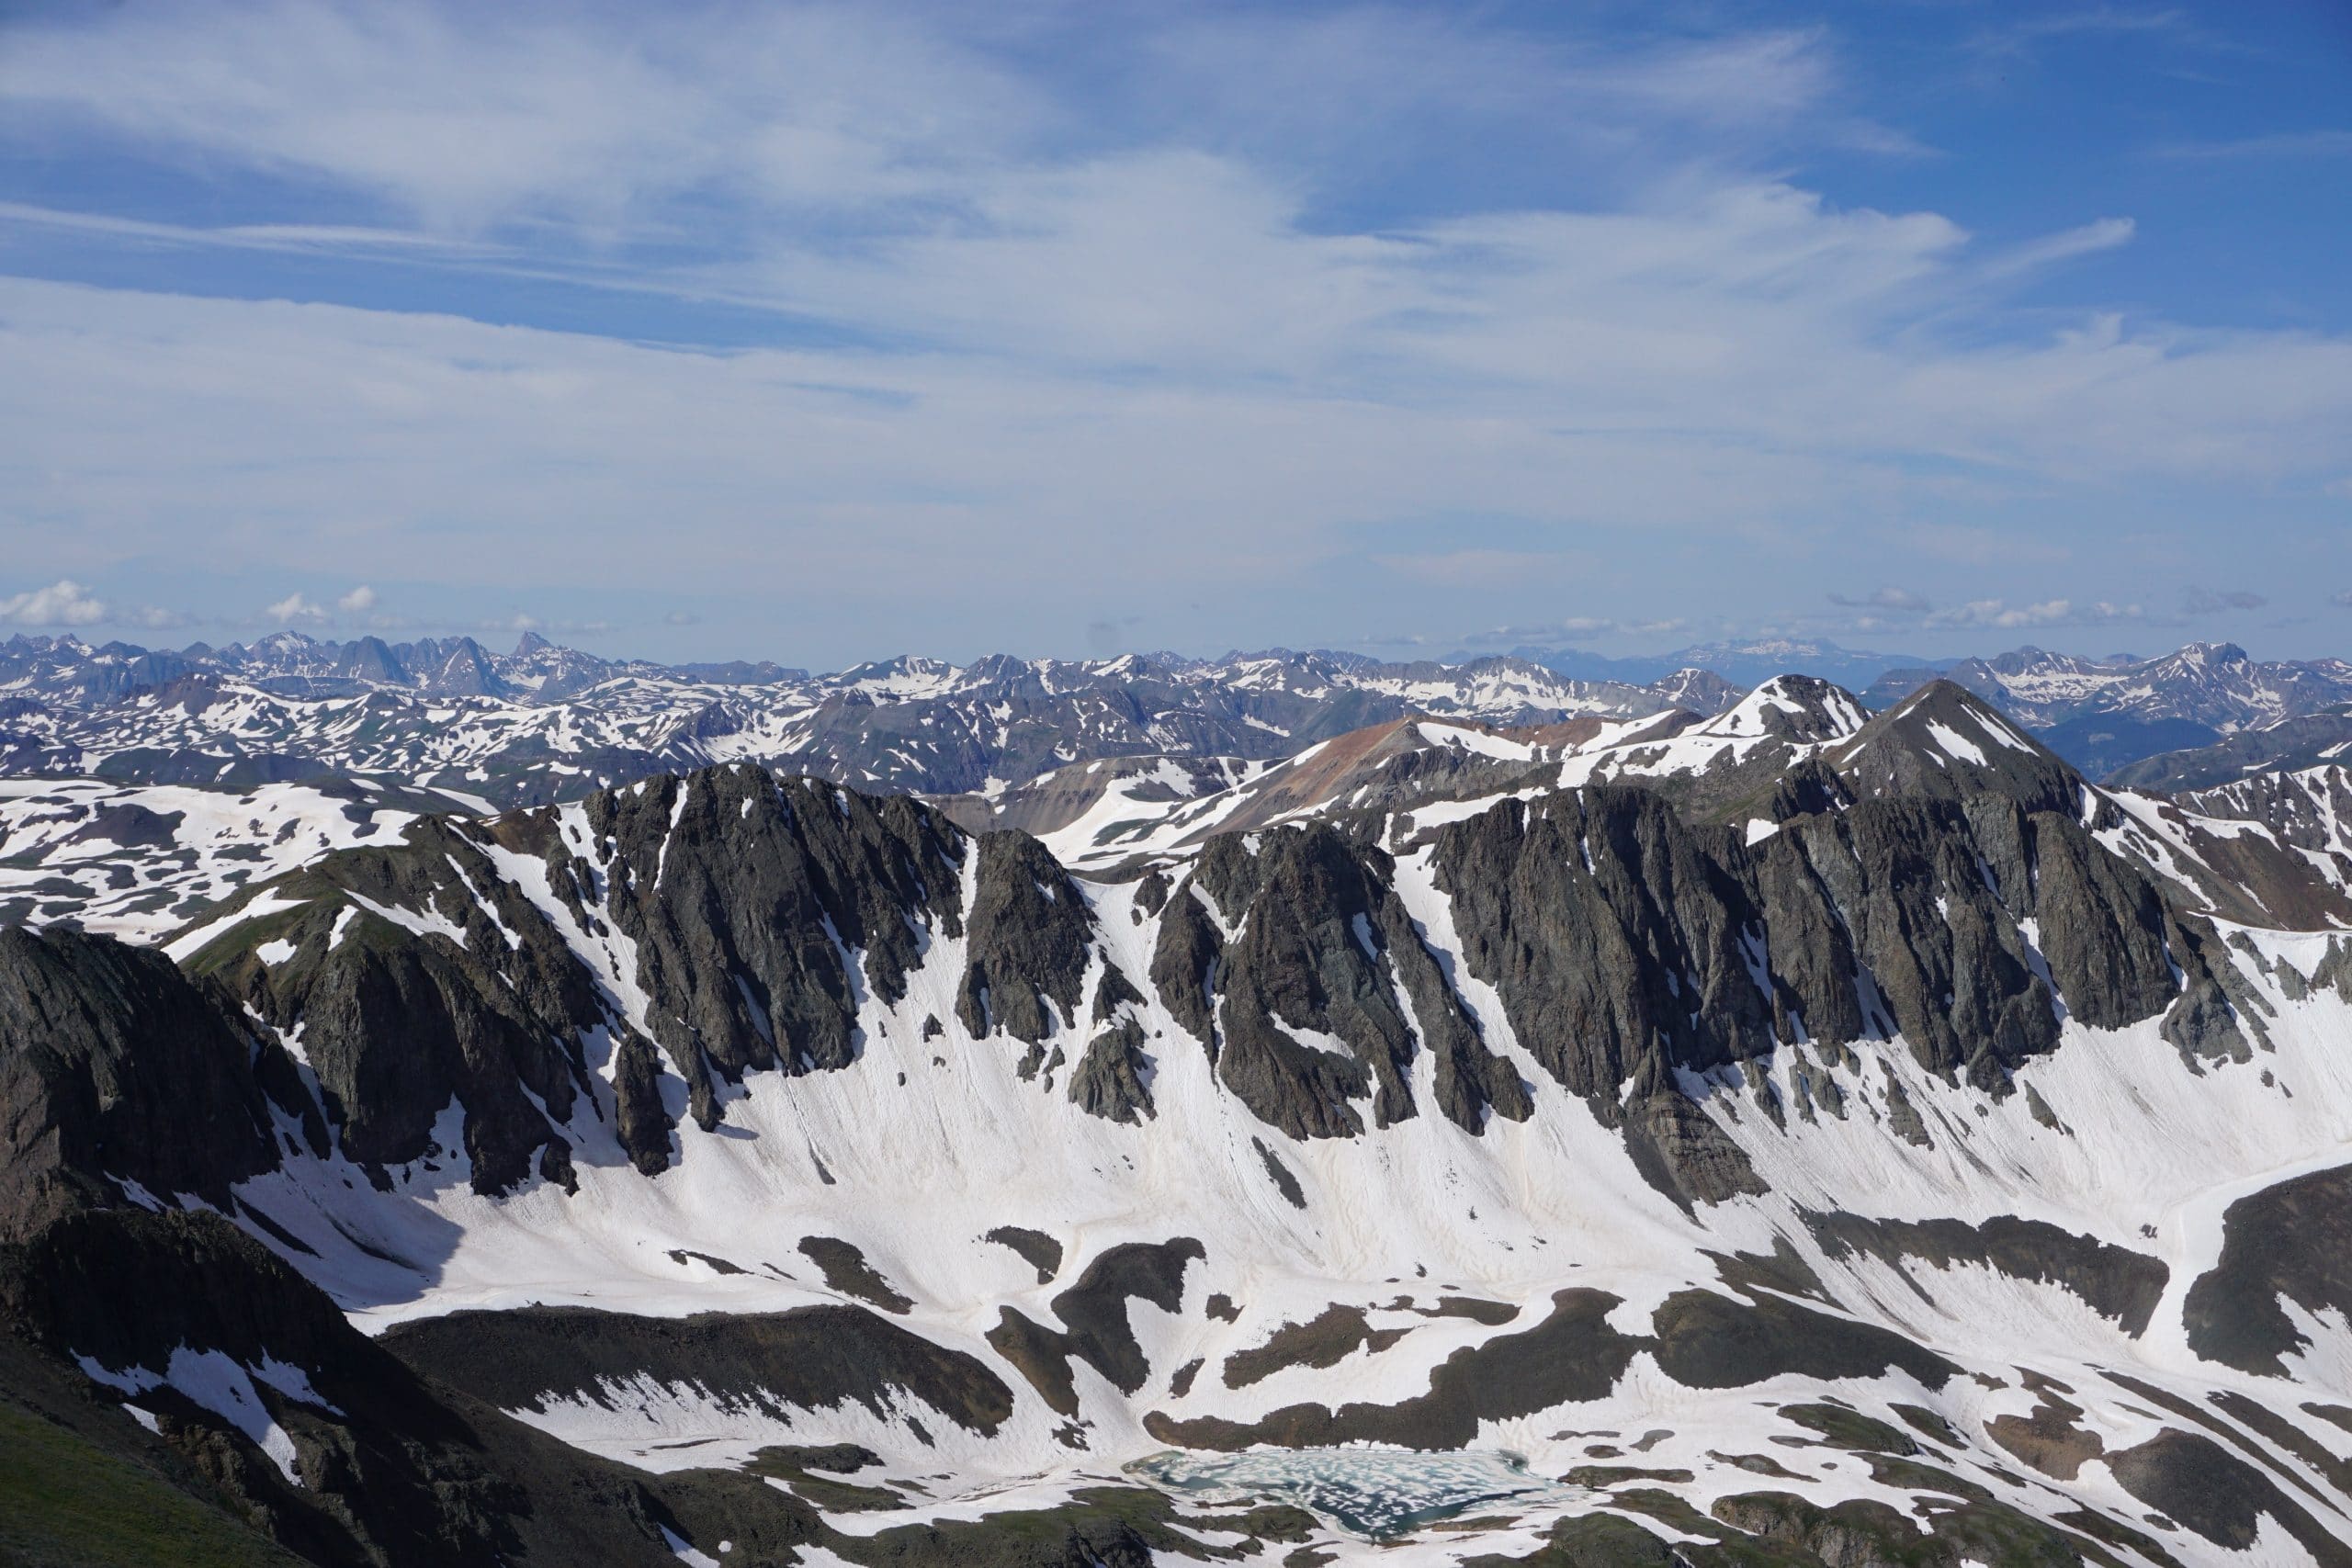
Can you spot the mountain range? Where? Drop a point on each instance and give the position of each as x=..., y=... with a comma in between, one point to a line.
x=1794, y=1135
x=546, y=724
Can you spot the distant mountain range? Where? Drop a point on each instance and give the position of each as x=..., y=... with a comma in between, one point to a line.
x=545, y=723
x=1744, y=663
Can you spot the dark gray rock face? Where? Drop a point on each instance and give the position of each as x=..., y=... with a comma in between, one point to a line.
x=1941, y=946
x=1913, y=748
x=1036, y=1249
x=2103, y=927
x=1325, y=946
x=115, y=1066
x=759, y=913
x=775, y=1362
x=1699, y=1338
x=1185, y=965
x=2293, y=1241
x=399, y=1024
x=392, y=1468
x=1031, y=933
x=1300, y=900
x=1626, y=944
x=1629, y=945
x=1094, y=1314
x=641, y=1119
x=2190, y=1479
x=1680, y=1151
x=2115, y=1281
x=1109, y=1081
x=1612, y=935
x=750, y=898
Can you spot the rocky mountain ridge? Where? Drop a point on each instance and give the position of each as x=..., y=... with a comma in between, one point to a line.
x=2106, y=715
x=548, y=724
x=1806, y=1136
x=545, y=723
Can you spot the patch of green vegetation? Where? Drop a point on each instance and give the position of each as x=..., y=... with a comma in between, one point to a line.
x=795, y=1467
x=1850, y=1430
x=1929, y=1424
x=1590, y=1540
x=1099, y=1524
x=1910, y=1476
x=1600, y=1477
x=65, y=1502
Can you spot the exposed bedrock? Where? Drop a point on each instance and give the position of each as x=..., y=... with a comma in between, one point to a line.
x=777, y=1362
x=2114, y=1281
x=1699, y=1338
x=1626, y=943
x=2291, y=1242
x=1031, y=936
x=756, y=911
x=1094, y=1314
x=750, y=900
x=369, y=1463
x=1324, y=947
x=742, y=920
x=116, y=1067
x=485, y=1007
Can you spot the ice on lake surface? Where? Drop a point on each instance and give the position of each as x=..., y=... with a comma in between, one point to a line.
x=1366, y=1491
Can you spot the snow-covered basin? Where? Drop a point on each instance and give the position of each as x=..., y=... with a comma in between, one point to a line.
x=1368, y=1490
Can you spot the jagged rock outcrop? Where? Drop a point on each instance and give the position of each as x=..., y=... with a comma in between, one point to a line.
x=116, y=1069
x=1323, y=947
x=750, y=914
x=484, y=1007
x=760, y=908
x=1630, y=945
x=1109, y=1078
x=1943, y=743
x=1031, y=933
x=366, y=1460
x=1626, y=944
x=1621, y=947
x=482, y=996
x=1184, y=963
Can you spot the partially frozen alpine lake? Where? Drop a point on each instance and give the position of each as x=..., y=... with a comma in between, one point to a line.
x=1375, y=1493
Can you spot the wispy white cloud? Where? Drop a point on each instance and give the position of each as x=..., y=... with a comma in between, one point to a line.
x=2214, y=602
x=1029, y=345
x=360, y=601
x=1999, y=614
x=1575, y=629
x=294, y=610
x=284, y=237
x=2030, y=29
x=1895, y=600
x=2089, y=239
x=64, y=602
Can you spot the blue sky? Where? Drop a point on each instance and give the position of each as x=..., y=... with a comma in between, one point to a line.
x=822, y=333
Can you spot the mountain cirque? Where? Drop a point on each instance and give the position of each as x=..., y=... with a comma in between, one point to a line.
x=1801, y=1135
